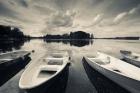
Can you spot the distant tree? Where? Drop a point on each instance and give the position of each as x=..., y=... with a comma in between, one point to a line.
x=72, y=35
x=7, y=32
x=92, y=36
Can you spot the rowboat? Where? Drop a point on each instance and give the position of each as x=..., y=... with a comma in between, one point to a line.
x=131, y=57
x=122, y=73
x=40, y=75
x=9, y=58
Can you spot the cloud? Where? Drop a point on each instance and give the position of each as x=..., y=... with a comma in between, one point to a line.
x=33, y=16
x=97, y=19
x=120, y=17
x=124, y=15
x=134, y=10
x=61, y=19
x=6, y=11
x=43, y=10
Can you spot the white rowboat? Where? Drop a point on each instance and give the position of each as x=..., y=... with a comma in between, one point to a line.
x=122, y=73
x=43, y=72
x=6, y=59
x=131, y=57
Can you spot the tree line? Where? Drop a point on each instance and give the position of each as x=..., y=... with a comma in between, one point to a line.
x=72, y=35
x=11, y=33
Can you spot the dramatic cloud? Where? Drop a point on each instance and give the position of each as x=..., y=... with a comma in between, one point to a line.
x=6, y=11
x=38, y=17
x=120, y=17
x=135, y=10
x=61, y=19
x=97, y=19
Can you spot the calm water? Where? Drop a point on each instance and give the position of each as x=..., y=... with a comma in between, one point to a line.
x=80, y=80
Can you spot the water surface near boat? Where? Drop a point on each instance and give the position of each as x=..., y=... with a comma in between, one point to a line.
x=78, y=80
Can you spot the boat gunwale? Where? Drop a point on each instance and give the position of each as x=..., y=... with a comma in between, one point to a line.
x=14, y=52
x=51, y=77
x=12, y=59
x=113, y=70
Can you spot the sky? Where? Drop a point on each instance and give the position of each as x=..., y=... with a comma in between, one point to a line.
x=103, y=18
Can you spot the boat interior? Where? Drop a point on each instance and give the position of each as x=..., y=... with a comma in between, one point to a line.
x=50, y=66
x=53, y=61
x=56, y=55
x=100, y=61
x=12, y=55
x=130, y=54
x=44, y=69
x=118, y=66
x=135, y=56
x=47, y=71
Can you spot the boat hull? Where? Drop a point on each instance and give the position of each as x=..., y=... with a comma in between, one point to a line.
x=56, y=84
x=9, y=71
x=14, y=61
x=101, y=82
x=131, y=61
x=125, y=82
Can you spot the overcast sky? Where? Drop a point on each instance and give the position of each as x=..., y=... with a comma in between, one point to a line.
x=104, y=18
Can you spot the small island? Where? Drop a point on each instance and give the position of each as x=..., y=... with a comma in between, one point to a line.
x=73, y=35
x=77, y=38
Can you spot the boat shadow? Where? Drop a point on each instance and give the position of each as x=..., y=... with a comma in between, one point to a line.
x=7, y=72
x=57, y=85
x=100, y=82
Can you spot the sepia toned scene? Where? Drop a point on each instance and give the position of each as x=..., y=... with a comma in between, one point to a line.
x=69, y=46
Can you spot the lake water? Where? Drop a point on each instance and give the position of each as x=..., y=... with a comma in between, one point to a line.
x=80, y=80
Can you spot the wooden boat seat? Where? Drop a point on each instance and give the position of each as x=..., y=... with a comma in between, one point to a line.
x=57, y=55
x=49, y=68
x=44, y=72
x=53, y=61
x=47, y=71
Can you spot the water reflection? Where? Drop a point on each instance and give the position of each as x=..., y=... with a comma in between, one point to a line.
x=12, y=69
x=78, y=81
x=16, y=45
x=76, y=42
x=101, y=83
x=11, y=45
